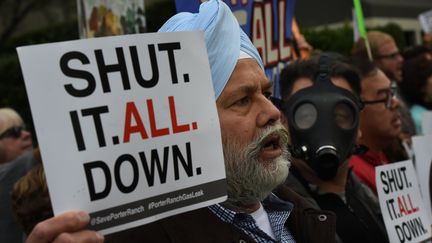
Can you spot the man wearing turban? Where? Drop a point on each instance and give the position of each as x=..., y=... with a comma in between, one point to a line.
x=256, y=158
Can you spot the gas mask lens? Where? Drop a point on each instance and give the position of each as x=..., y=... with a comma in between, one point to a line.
x=305, y=116
x=344, y=116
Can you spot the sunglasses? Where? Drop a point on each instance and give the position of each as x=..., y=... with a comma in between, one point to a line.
x=387, y=100
x=13, y=132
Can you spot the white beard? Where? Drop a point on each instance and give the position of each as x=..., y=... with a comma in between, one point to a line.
x=250, y=179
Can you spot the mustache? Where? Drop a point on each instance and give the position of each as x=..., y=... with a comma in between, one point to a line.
x=261, y=139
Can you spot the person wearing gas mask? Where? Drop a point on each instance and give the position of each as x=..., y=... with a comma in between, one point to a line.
x=321, y=105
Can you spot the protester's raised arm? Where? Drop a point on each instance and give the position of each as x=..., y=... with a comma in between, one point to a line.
x=67, y=227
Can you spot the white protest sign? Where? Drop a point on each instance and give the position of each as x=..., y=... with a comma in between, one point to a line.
x=426, y=21
x=401, y=203
x=427, y=123
x=422, y=146
x=127, y=126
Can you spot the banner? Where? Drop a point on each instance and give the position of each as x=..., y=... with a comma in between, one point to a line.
x=404, y=213
x=268, y=25
x=127, y=126
x=98, y=18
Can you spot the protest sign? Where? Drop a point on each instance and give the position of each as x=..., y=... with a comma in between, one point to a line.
x=268, y=25
x=127, y=126
x=426, y=21
x=427, y=123
x=422, y=146
x=401, y=203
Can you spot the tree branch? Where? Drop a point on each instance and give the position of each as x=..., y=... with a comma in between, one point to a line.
x=19, y=12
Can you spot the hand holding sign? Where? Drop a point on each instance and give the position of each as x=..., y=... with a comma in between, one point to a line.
x=134, y=121
x=54, y=229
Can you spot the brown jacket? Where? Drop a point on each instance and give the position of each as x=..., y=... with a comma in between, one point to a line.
x=307, y=224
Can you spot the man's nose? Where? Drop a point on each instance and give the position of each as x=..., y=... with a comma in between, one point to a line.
x=268, y=114
x=395, y=103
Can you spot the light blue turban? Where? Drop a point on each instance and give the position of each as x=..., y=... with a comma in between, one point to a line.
x=223, y=36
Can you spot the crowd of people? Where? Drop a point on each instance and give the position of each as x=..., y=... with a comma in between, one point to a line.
x=299, y=168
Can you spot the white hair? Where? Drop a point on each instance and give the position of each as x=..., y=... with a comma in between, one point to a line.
x=9, y=118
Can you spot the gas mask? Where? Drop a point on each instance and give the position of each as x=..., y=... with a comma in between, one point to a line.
x=323, y=121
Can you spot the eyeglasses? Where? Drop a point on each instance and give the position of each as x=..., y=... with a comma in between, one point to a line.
x=387, y=100
x=393, y=55
x=13, y=132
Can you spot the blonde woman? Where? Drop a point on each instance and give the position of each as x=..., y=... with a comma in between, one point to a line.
x=14, y=139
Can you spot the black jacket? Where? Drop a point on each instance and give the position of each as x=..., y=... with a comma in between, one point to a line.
x=358, y=217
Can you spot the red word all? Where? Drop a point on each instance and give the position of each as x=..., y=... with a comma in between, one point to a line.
x=152, y=130
x=405, y=205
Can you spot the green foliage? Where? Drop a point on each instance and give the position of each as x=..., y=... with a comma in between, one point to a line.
x=341, y=39
x=11, y=81
x=54, y=33
x=12, y=89
x=338, y=40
